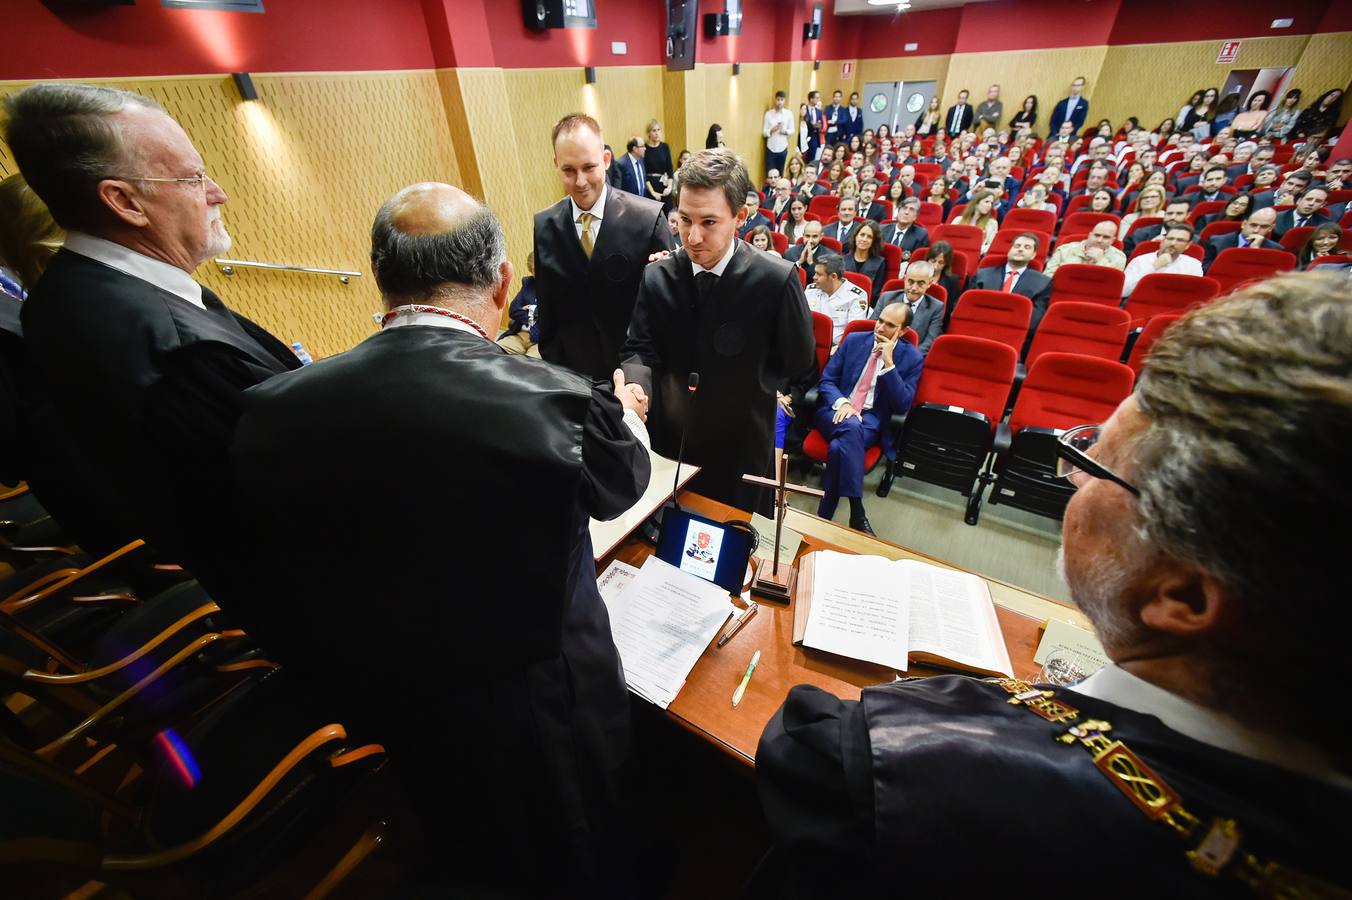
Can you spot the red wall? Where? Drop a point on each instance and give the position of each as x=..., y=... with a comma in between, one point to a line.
x=1039, y=24
x=148, y=39
x=935, y=30
x=642, y=25
x=756, y=43
x=1200, y=20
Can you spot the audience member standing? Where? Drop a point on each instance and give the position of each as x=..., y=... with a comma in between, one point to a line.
x=929, y=121
x=633, y=174
x=1026, y=117
x=1072, y=109
x=1280, y=120
x=657, y=162
x=1320, y=117
x=590, y=250
x=778, y=129
x=959, y=116
x=991, y=110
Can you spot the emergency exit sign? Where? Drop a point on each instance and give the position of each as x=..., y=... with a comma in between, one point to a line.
x=847, y=70
x=1229, y=50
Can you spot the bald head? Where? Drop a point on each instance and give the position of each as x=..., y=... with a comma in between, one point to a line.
x=434, y=243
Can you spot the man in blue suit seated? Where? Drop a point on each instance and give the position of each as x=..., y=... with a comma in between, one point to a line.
x=869, y=377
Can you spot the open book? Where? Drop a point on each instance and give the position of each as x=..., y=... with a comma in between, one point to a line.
x=888, y=611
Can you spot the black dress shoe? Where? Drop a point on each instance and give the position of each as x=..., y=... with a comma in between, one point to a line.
x=861, y=524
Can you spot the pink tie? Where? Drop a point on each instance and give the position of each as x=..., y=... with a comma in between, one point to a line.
x=865, y=381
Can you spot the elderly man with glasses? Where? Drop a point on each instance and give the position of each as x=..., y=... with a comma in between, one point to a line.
x=1209, y=757
x=136, y=368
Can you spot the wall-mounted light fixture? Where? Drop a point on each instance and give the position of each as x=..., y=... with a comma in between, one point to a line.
x=816, y=64
x=591, y=74
x=244, y=84
x=737, y=68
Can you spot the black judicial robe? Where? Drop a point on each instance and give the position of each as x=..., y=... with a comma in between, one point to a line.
x=435, y=577
x=938, y=787
x=132, y=395
x=584, y=305
x=750, y=334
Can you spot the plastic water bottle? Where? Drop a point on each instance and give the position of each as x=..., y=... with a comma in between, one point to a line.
x=304, y=357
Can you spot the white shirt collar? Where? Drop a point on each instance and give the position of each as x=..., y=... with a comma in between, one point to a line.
x=408, y=317
x=598, y=209
x=722, y=263
x=137, y=265
x=1118, y=686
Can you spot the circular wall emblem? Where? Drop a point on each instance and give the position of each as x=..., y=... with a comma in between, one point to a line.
x=915, y=102
x=878, y=103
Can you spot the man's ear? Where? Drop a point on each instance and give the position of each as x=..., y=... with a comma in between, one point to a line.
x=741, y=215
x=504, y=287
x=608, y=157
x=118, y=198
x=1189, y=603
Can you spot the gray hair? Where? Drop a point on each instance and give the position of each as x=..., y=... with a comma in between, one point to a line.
x=833, y=263
x=1242, y=471
x=909, y=202
x=717, y=169
x=422, y=266
x=65, y=142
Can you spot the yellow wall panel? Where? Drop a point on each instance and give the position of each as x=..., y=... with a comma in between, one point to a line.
x=306, y=169
x=1326, y=63
x=1046, y=73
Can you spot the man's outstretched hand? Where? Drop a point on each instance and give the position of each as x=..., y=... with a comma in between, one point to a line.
x=631, y=395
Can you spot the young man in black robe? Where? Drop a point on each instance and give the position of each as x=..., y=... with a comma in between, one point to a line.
x=1198, y=543
x=446, y=599
x=737, y=317
x=133, y=370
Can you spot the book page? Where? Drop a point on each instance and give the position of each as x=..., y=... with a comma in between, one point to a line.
x=662, y=621
x=952, y=617
x=857, y=609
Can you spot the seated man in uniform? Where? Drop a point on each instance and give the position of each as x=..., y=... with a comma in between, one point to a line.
x=1198, y=544
x=832, y=295
x=870, y=377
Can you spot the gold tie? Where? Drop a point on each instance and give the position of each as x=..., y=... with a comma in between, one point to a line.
x=587, y=234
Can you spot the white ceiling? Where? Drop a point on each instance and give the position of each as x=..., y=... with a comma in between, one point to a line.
x=863, y=7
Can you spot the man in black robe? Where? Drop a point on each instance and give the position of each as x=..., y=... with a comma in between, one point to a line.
x=442, y=586
x=590, y=250
x=1197, y=544
x=133, y=370
x=735, y=316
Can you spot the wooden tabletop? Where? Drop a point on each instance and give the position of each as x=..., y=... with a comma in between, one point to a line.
x=704, y=704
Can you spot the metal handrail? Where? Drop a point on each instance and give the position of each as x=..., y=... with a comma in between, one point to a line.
x=227, y=267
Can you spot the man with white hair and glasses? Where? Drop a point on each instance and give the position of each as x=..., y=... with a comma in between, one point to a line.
x=1209, y=757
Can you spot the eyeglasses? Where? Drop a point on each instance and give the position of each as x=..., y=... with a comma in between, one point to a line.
x=1072, y=457
x=200, y=179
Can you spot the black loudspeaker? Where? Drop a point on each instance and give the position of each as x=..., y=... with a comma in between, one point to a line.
x=542, y=14
x=811, y=31
x=716, y=25
x=244, y=84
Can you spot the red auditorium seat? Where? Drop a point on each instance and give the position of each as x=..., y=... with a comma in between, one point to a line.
x=949, y=430
x=802, y=275
x=1020, y=219
x=1144, y=222
x=966, y=241
x=1091, y=329
x=1295, y=237
x=993, y=315
x=1338, y=259
x=930, y=215
x=1217, y=228
x=1005, y=237
x=781, y=242
x=822, y=329
x=892, y=258
x=1087, y=284
x=1238, y=265
x=824, y=205
x=833, y=244
x=1161, y=293
x=1085, y=221
x=1206, y=208
x=858, y=279
x=1153, y=329
x=854, y=326
x=1062, y=391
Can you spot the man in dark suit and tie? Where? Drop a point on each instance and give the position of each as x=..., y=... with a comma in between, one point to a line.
x=538, y=693
x=868, y=378
x=1175, y=211
x=633, y=175
x=1309, y=210
x=816, y=125
x=754, y=218
x=960, y=115
x=854, y=118
x=834, y=116
x=1253, y=233
x=1017, y=277
x=846, y=224
x=869, y=207
x=927, y=313
x=133, y=368
x=1072, y=109
x=734, y=315
x=903, y=232
x=1211, y=182
x=590, y=251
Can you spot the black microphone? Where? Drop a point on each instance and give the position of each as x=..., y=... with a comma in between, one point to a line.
x=693, y=387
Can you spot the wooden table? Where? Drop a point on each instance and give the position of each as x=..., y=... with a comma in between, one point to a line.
x=704, y=704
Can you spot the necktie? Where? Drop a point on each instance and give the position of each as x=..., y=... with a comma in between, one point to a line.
x=1010, y=280
x=639, y=175
x=587, y=233
x=897, y=237
x=705, y=282
x=865, y=381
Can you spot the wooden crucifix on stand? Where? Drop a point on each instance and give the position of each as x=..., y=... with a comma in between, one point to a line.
x=779, y=582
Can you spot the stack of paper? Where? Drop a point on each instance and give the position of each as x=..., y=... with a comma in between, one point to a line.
x=662, y=620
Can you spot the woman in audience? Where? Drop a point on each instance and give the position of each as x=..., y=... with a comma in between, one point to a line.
x=870, y=154
x=1163, y=131
x=657, y=162
x=884, y=134
x=941, y=256
x=896, y=192
x=1201, y=114
x=1127, y=127
x=680, y=160
x=793, y=169
x=1150, y=203
x=864, y=255
x=1015, y=155
x=1026, y=117
x=938, y=195
x=28, y=236
x=1236, y=210
x=761, y=240
x=803, y=140
x=1183, y=111
x=1226, y=110
x=848, y=187
x=792, y=226
x=1250, y=122
x=1265, y=179
x=834, y=175
x=1134, y=180
x=1319, y=117
x=714, y=138
x=856, y=144
x=1279, y=121
x=980, y=212
x=928, y=121
x=1323, y=241
x=1103, y=201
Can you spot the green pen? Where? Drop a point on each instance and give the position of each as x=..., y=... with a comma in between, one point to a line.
x=746, y=679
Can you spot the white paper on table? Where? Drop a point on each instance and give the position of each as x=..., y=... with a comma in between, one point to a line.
x=1062, y=637
x=662, y=621
x=857, y=611
x=789, y=540
x=614, y=580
